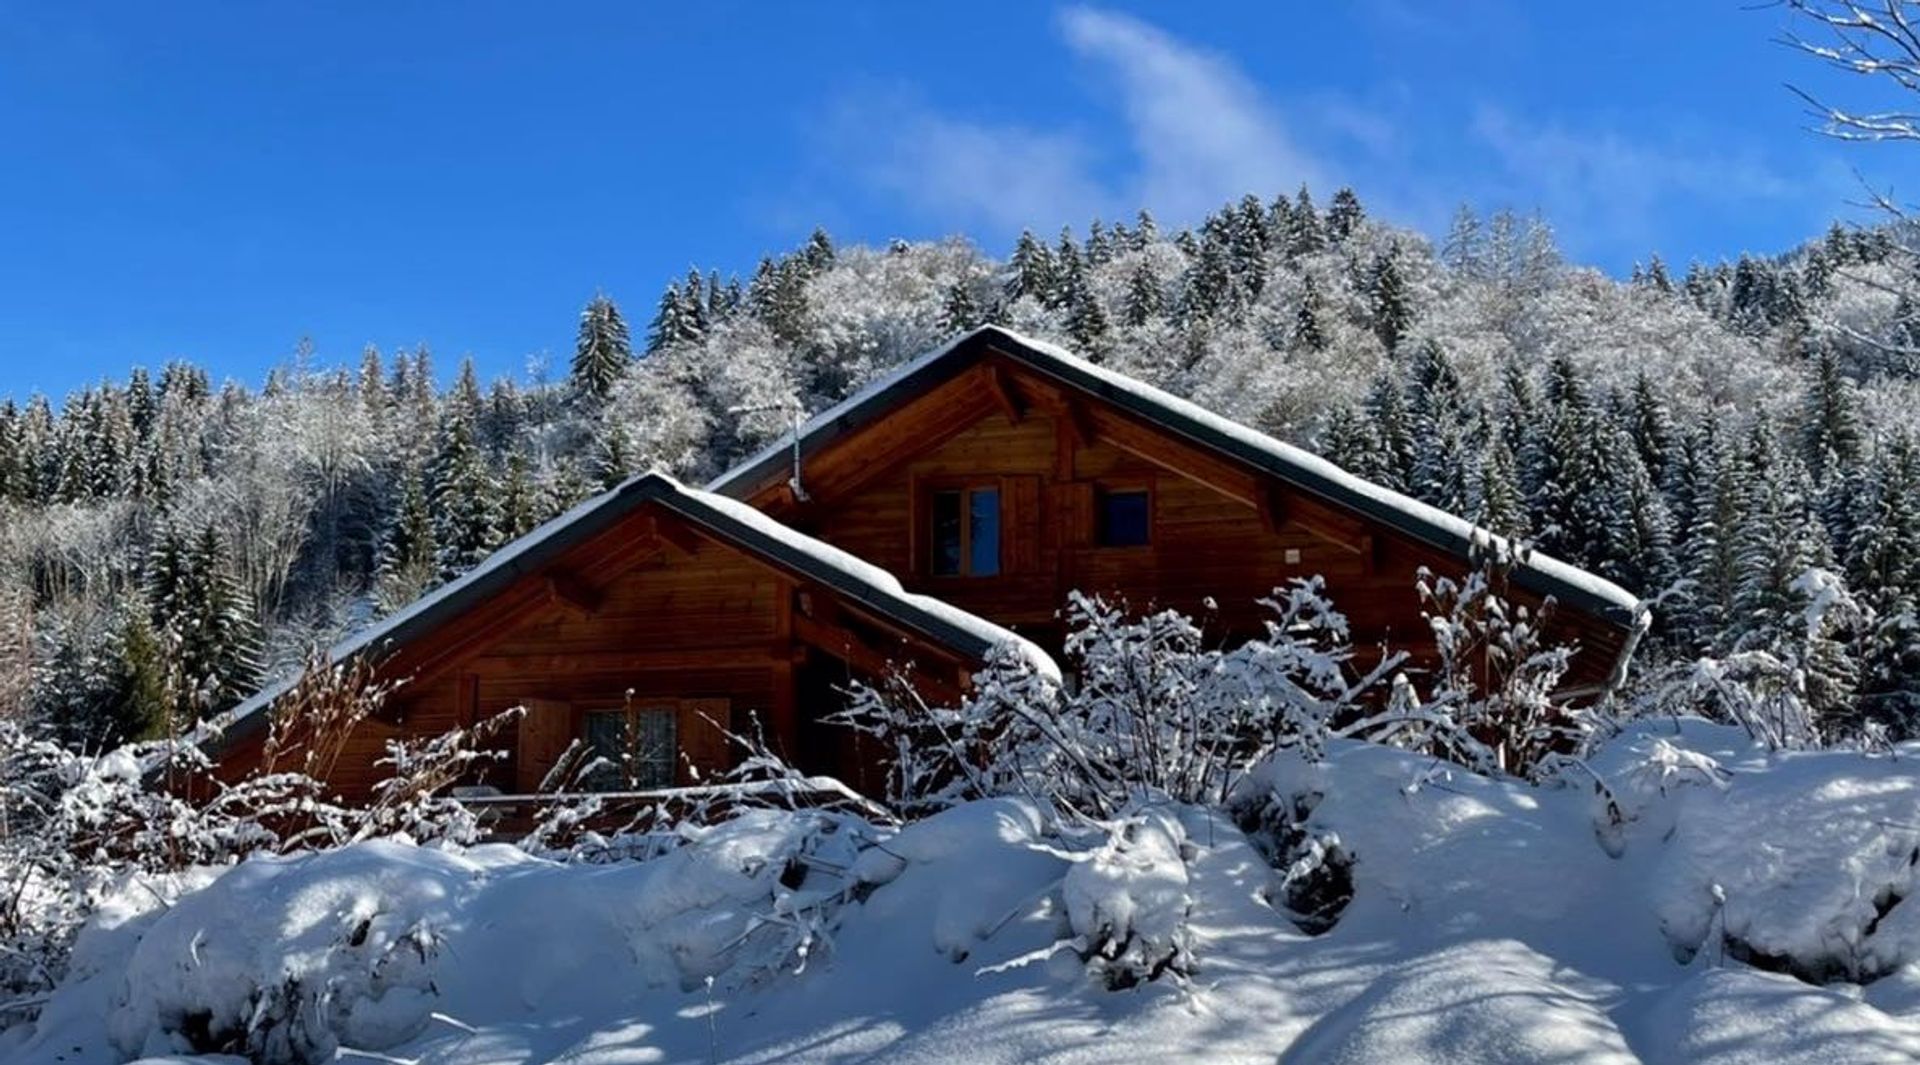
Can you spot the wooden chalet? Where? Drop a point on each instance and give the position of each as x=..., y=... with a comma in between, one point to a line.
x=946, y=509
x=654, y=613
x=1000, y=473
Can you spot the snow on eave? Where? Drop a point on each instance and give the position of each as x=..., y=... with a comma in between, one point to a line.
x=735, y=522
x=1302, y=469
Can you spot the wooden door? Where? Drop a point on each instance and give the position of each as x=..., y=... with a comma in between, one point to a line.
x=546, y=731
x=704, y=747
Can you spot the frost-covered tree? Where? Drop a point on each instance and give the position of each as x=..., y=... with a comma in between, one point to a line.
x=602, y=350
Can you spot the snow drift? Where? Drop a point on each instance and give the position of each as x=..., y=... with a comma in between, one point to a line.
x=1691, y=898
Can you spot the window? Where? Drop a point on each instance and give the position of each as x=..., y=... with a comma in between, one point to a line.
x=1125, y=518
x=964, y=532
x=639, y=748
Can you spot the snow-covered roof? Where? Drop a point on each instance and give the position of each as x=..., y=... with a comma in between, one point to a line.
x=726, y=519
x=1298, y=468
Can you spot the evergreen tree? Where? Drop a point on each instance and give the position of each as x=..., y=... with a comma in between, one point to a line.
x=1650, y=427
x=519, y=500
x=1502, y=509
x=466, y=516
x=1086, y=320
x=614, y=460
x=13, y=465
x=1304, y=233
x=1144, y=300
x=1831, y=434
x=1145, y=230
x=1307, y=332
x=1442, y=467
x=1343, y=215
x=1391, y=314
x=208, y=622
x=1392, y=432
x=1657, y=275
x=1030, y=272
x=818, y=254
x=778, y=298
x=959, y=311
x=602, y=351
x=408, y=555
x=1348, y=442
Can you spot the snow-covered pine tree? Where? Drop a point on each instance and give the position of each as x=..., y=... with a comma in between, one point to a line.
x=1344, y=214
x=1463, y=251
x=1501, y=508
x=1304, y=234
x=1145, y=299
x=1650, y=426
x=466, y=514
x=1442, y=469
x=602, y=350
x=1392, y=431
x=959, y=311
x=1086, y=319
x=1348, y=442
x=408, y=559
x=1030, y=271
x=1387, y=293
x=1308, y=334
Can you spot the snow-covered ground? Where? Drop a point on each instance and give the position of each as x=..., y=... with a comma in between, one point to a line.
x=1489, y=922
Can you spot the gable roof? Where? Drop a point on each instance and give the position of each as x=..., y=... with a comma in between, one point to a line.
x=727, y=520
x=1296, y=467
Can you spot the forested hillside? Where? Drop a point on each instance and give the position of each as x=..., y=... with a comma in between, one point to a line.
x=1733, y=440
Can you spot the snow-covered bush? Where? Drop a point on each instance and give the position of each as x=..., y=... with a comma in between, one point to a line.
x=1155, y=713
x=1127, y=900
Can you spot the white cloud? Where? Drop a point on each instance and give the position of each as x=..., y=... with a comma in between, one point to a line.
x=965, y=173
x=1199, y=130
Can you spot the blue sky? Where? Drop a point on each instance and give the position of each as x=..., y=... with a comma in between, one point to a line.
x=216, y=181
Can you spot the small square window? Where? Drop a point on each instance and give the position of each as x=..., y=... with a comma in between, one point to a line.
x=1125, y=518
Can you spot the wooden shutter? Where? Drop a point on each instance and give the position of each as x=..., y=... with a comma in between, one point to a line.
x=546, y=731
x=703, y=741
x=1021, y=524
x=1073, y=513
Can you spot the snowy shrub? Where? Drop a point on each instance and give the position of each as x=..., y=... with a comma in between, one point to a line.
x=1155, y=714
x=1316, y=870
x=1493, y=707
x=1752, y=689
x=1127, y=901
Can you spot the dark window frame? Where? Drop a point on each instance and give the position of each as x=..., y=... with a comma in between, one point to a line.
x=1104, y=492
x=928, y=513
x=667, y=710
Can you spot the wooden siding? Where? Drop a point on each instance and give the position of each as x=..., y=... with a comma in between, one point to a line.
x=662, y=616
x=1220, y=532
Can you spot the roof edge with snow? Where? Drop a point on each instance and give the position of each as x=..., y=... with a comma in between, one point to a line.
x=730, y=521
x=1298, y=468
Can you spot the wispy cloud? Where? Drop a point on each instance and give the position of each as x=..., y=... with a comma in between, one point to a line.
x=1199, y=132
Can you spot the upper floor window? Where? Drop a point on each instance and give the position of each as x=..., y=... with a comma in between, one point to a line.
x=965, y=534
x=1124, y=517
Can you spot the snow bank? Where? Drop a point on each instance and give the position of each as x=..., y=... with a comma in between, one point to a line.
x=1803, y=866
x=1489, y=921
x=1487, y=1003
